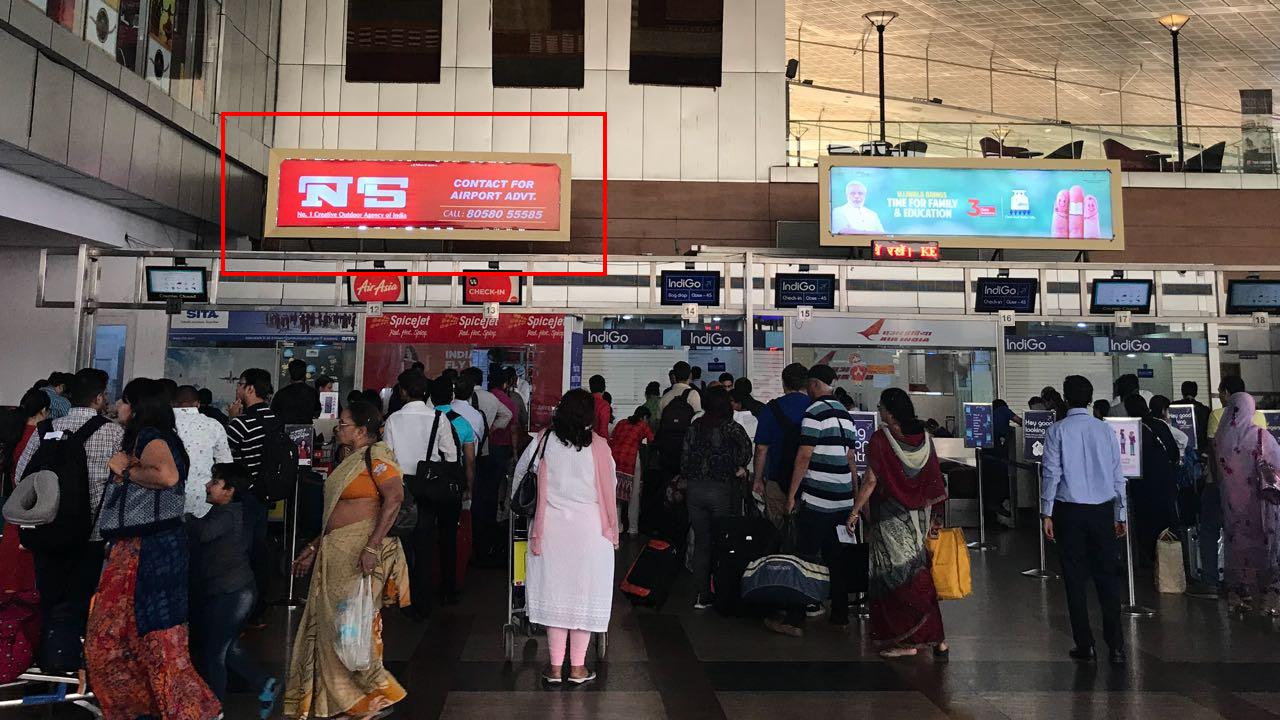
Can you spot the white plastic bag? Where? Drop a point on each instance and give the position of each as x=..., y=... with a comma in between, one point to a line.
x=354, y=641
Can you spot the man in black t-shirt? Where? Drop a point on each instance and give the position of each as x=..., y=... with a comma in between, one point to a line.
x=297, y=403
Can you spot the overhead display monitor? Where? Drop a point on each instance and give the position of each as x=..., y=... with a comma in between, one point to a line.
x=979, y=203
x=1245, y=297
x=1016, y=294
x=427, y=195
x=701, y=287
x=187, y=284
x=1112, y=295
x=793, y=290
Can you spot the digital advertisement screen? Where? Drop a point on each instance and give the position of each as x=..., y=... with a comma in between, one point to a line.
x=177, y=283
x=1251, y=296
x=1112, y=295
x=410, y=194
x=1019, y=203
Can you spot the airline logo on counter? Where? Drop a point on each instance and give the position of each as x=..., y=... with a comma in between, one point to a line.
x=464, y=328
x=377, y=288
x=876, y=332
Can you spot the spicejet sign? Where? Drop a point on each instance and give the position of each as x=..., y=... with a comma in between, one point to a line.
x=475, y=196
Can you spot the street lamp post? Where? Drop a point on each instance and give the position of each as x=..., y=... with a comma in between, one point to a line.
x=1173, y=23
x=880, y=19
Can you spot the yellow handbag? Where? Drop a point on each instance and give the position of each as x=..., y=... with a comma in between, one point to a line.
x=949, y=558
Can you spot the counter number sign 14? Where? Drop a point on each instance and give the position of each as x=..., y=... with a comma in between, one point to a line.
x=690, y=312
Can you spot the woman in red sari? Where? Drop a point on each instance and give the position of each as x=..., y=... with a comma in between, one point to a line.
x=903, y=492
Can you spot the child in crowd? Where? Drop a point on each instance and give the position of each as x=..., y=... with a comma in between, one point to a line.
x=223, y=592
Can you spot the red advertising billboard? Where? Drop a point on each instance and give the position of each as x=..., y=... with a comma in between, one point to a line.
x=455, y=196
x=491, y=287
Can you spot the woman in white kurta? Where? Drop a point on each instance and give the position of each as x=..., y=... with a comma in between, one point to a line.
x=569, y=566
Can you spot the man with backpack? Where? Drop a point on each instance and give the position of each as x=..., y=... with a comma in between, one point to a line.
x=255, y=436
x=677, y=410
x=778, y=441
x=426, y=446
x=76, y=449
x=492, y=462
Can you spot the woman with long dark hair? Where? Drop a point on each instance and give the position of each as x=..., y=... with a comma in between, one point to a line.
x=362, y=497
x=904, y=492
x=713, y=464
x=31, y=411
x=1154, y=496
x=625, y=441
x=136, y=646
x=569, y=565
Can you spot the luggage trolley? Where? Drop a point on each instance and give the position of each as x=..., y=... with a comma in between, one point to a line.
x=517, y=608
x=71, y=689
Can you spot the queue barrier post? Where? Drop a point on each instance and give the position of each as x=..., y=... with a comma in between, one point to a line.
x=1041, y=572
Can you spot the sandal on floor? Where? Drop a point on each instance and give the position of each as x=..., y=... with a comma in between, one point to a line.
x=591, y=675
x=940, y=653
x=894, y=653
x=552, y=681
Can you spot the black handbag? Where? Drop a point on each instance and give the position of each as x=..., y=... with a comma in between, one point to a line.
x=436, y=481
x=407, y=517
x=525, y=502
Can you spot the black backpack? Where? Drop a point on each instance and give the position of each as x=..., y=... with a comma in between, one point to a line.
x=789, y=446
x=439, y=481
x=676, y=418
x=65, y=457
x=279, y=472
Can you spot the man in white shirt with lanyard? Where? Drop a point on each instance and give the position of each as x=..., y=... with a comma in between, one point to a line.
x=409, y=434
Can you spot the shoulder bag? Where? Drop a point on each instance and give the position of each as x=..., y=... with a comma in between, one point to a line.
x=525, y=502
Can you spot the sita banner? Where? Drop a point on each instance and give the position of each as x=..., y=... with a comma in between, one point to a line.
x=396, y=195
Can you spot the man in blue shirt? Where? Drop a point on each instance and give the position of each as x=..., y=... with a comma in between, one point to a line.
x=778, y=440
x=1084, y=509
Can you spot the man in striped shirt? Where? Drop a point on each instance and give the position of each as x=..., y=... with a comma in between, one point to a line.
x=251, y=417
x=822, y=489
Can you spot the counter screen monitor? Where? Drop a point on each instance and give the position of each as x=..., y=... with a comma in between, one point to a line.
x=1113, y=295
x=1245, y=297
x=187, y=284
x=990, y=203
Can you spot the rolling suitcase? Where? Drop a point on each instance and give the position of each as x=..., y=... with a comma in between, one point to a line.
x=652, y=574
x=736, y=541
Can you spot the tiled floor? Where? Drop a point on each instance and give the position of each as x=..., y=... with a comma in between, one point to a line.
x=1190, y=662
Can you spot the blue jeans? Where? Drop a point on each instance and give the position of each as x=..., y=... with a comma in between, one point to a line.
x=1210, y=533
x=222, y=617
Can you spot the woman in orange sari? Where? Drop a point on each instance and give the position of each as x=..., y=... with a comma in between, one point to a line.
x=361, y=499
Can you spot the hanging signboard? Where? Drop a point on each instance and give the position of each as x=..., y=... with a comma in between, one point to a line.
x=793, y=290
x=691, y=287
x=492, y=288
x=378, y=288
x=1016, y=294
x=1035, y=431
x=987, y=203
x=423, y=195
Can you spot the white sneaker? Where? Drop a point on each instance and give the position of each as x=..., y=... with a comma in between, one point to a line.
x=816, y=610
x=702, y=602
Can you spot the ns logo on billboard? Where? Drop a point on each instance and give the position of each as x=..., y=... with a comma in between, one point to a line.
x=334, y=191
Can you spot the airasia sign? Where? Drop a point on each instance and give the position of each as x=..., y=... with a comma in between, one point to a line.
x=377, y=288
x=417, y=194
